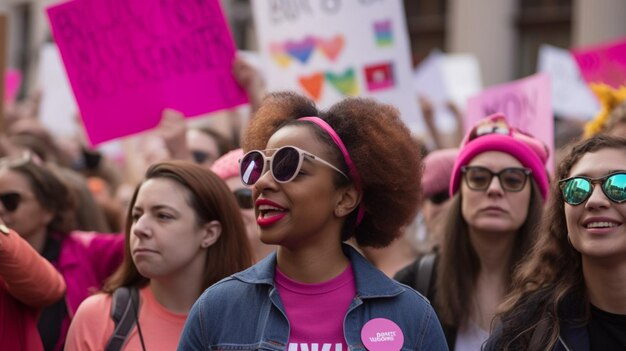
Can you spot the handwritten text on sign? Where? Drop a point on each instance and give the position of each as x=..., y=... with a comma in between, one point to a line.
x=128, y=60
x=291, y=10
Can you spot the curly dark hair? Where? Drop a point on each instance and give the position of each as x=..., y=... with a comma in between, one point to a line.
x=551, y=276
x=385, y=155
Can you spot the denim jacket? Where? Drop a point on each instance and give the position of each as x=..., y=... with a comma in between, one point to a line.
x=245, y=312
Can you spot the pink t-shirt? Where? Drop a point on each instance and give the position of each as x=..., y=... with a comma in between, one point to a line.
x=92, y=326
x=316, y=311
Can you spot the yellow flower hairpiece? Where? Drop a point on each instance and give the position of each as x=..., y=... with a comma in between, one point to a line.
x=609, y=98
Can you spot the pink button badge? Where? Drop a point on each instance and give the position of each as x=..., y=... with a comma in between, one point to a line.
x=381, y=334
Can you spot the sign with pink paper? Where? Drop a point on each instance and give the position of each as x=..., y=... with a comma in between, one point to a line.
x=526, y=103
x=128, y=60
x=12, y=83
x=605, y=63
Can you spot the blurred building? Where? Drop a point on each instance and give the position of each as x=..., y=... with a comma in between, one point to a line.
x=503, y=34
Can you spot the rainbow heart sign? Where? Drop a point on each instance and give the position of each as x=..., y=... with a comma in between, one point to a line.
x=277, y=51
x=345, y=82
x=332, y=47
x=301, y=50
x=312, y=85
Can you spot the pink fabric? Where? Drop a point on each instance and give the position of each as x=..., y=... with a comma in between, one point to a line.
x=530, y=152
x=27, y=283
x=354, y=174
x=438, y=167
x=316, y=311
x=227, y=166
x=86, y=260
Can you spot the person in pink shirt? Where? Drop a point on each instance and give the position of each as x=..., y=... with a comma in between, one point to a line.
x=40, y=207
x=27, y=283
x=183, y=233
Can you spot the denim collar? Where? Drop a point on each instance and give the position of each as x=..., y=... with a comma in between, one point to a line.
x=370, y=282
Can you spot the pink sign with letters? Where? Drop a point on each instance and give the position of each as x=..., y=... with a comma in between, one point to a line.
x=605, y=63
x=128, y=60
x=526, y=103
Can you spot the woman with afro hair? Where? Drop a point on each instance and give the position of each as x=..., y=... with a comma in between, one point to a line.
x=318, y=179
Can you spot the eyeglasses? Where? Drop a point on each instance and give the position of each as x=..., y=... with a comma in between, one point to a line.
x=577, y=190
x=511, y=179
x=10, y=201
x=244, y=198
x=285, y=164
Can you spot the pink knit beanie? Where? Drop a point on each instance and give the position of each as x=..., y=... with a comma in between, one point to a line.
x=493, y=133
x=227, y=166
x=438, y=167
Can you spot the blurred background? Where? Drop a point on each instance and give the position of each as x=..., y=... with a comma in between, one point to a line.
x=505, y=35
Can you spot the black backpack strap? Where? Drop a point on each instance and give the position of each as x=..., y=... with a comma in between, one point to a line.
x=424, y=273
x=124, y=310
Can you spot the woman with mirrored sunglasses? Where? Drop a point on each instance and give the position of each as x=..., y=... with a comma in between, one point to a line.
x=497, y=188
x=320, y=178
x=40, y=207
x=569, y=293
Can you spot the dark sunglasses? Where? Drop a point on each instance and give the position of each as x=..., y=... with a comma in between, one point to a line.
x=244, y=198
x=284, y=164
x=10, y=201
x=199, y=157
x=511, y=179
x=439, y=197
x=577, y=190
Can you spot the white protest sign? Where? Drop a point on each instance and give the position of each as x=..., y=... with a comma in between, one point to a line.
x=571, y=97
x=332, y=49
x=58, y=107
x=461, y=74
x=444, y=78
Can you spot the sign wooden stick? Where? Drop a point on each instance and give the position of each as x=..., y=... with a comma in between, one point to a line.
x=3, y=63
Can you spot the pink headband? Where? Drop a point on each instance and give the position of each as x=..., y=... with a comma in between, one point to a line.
x=346, y=157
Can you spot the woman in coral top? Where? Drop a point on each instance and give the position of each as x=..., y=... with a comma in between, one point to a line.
x=184, y=232
x=27, y=283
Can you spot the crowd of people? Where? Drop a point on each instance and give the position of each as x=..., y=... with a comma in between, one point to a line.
x=315, y=229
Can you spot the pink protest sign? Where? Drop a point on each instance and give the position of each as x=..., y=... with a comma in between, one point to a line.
x=526, y=103
x=605, y=63
x=128, y=60
x=12, y=82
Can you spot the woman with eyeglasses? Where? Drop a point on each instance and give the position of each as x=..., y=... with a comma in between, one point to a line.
x=39, y=206
x=318, y=179
x=227, y=168
x=570, y=292
x=183, y=233
x=498, y=186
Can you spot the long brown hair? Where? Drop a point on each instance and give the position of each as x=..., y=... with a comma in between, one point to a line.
x=551, y=276
x=211, y=200
x=459, y=265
